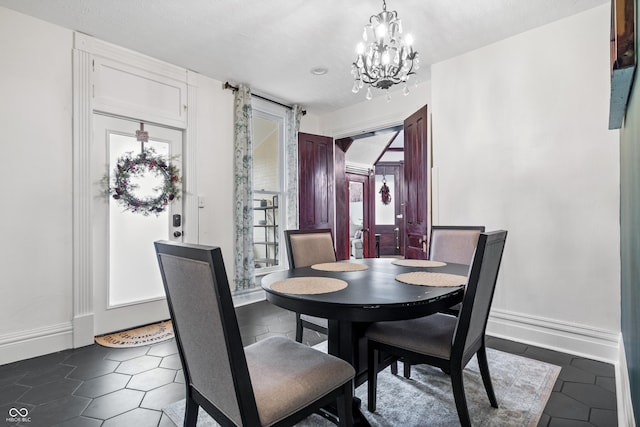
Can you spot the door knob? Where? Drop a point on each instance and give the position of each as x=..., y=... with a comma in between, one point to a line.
x=177, y=234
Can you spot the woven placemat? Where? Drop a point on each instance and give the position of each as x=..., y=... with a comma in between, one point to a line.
x=339, y=266
x=309, y=285
x=424, y=278
x=418, y=263
x=144, y=335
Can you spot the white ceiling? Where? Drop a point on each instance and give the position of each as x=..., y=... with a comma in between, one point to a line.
x=272, y=45
x=363, y=152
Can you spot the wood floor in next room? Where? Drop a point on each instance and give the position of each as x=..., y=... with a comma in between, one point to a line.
x=96, y=386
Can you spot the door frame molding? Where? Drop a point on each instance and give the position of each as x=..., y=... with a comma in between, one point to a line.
x=85, y=49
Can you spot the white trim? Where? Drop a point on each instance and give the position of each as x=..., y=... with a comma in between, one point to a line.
x=245, y=298
x=35, y=342
x=95, y=46
x=369, y=124
x=82, y=186
x=623, y=389
x=191, y=225
x=565, y=337
x=109, y=75
x=81, y=330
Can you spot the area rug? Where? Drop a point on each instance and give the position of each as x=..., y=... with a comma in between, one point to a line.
x=144, y=335
x=522, y=387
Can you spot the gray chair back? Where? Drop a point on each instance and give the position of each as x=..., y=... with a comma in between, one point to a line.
x=206, y=328
x=308, y=247
x=476, y=303
x=455, y=244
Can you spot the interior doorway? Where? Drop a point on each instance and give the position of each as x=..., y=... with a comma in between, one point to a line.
x=399, y=162
x=359, y=208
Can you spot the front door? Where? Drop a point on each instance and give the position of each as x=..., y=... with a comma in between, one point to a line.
x=128, y=289
x=417, y=164
x=389, y=221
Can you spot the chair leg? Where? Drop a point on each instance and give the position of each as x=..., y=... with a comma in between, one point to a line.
x=486, y=377
x=394, y=367
x=459, y=396
x=345, y=406
x=190, y=413
x=407, y=368
x=298, y=328
x=372, y=378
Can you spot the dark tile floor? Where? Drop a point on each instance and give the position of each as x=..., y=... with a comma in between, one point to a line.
x=98, y=386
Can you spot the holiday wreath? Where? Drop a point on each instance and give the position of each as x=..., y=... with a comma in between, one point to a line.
x=385, y=193
x=128, y=166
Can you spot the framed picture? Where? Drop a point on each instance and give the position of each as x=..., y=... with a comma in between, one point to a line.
x=623, y=58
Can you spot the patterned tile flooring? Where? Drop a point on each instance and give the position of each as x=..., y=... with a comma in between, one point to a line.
x=97, y=386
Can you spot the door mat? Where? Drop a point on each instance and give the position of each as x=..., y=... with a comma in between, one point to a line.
x=144, y=335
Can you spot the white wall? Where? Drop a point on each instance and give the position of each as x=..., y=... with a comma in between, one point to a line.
x=215, y=167
x=532, y=109
x=36, y=120
x=374, y=114
x=36, y=172
x=520, y=142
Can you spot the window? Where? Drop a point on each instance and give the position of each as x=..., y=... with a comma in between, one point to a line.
x=268, y=184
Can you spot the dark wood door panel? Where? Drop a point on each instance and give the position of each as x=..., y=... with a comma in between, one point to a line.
x=315, y=181
x=416, y=170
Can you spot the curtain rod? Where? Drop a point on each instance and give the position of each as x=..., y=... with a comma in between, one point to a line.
x=227, y=85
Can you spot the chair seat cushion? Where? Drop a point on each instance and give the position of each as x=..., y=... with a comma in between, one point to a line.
x=315, y=320
x=431, y=335
x=287, y=376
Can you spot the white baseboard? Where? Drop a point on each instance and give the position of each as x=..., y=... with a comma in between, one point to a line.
x=35, y=342
x=589, y=342
x=623, y=390
x=83, y=330
x=245, y=298
x=566, y=337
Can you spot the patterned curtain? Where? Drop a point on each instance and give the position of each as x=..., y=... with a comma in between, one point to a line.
x=291, y=143
x=243, y=189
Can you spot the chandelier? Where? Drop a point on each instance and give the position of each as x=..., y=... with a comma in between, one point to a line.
x=386, y=57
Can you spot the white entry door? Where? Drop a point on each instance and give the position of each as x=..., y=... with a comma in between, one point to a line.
x=128, y=289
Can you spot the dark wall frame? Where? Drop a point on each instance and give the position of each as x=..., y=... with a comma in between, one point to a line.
x=630, y=241
x=623, y=58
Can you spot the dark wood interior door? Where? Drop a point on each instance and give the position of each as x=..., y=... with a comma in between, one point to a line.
x=417, y=162
x=389, y=222
x=315, y=182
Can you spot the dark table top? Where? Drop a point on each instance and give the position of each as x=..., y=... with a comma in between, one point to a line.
x=371, y=295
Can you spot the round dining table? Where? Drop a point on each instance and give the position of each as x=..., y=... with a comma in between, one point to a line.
x=372, y=294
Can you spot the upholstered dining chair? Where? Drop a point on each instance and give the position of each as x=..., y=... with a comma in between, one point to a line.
x=445, y=341
x=273, y=382
x=305, y=248
x=454, y=244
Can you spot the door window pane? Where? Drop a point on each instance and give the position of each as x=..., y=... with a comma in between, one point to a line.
x=133, y=268
x=385, y=214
